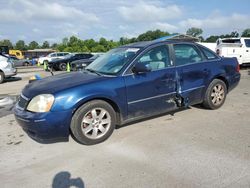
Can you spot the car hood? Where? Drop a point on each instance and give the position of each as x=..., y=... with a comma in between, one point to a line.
x=53, y=84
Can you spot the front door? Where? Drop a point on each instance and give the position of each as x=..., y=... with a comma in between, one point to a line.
x=151, y=92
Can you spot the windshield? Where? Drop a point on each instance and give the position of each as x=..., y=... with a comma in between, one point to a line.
x=113, y=61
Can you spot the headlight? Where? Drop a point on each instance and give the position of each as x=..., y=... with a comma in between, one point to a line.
x=41, y=103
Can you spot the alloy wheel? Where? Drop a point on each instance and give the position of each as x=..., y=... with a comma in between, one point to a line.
x=96, y=123
x=218, y=94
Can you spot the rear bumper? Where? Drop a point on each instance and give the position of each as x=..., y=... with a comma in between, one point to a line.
x=44, y=127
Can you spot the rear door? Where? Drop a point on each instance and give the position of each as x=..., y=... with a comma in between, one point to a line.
x=192, y=70
x=151, y=92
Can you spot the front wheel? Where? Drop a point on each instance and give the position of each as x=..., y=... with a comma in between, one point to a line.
x=93, y=122
x=215, y=95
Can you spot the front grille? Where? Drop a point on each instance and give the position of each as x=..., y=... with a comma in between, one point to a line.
x=22, y=102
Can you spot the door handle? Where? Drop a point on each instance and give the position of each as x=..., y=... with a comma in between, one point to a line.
x=247, y=51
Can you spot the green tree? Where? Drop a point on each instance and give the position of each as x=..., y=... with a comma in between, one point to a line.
x=6, y=42
x=246, y=33
x=90, y=43
x=54, y=45
x=103, y=42
x=194, y=31
x=152, y=35
x=45, y=44
x=65, y=41
x=20, y=45
x=98, y=48
x=123, y=41
x=212, y=38
x=235, y=34
x=33, y=45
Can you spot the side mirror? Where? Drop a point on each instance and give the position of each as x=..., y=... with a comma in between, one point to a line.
x=140, y=68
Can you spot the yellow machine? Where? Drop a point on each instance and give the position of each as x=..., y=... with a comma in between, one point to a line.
x=17, y=53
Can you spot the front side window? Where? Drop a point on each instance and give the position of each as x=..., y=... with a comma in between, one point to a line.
x=113, y=61
x=60, y=54
x=186, y=54
x=156, y=58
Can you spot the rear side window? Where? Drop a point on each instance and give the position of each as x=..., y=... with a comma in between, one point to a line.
x=209, y=54
x=60, y=54
x=247, y=42
x=186, y=54
x=88, y=55
x=52, y=55
x=231, y=41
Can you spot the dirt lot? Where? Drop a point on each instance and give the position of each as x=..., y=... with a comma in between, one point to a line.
x=190, y=148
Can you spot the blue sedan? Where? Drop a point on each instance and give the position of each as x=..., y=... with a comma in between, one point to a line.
x=126, y=84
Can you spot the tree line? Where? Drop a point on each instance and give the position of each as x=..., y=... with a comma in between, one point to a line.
x=75, y=44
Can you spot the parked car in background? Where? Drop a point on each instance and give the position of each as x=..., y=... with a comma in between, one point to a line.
x=82, y=63
x=61, y=64
x=7, y=68
x=52, y=56
x=20, y=62
x=125, y=84
x=235, y=47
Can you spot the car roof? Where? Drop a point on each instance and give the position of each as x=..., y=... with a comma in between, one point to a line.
x=146, y=44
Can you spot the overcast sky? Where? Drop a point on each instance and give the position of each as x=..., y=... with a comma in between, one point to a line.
x=53, y=20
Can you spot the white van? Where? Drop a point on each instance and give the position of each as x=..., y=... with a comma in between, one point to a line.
x=7, y=68
x=234, y=47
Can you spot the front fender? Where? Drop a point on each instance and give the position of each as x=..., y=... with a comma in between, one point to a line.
x=73, y=98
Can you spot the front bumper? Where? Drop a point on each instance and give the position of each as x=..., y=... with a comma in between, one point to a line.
x=8, y=72
x=47, y=127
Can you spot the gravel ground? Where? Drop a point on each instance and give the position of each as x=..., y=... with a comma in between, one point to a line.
x=190, y=148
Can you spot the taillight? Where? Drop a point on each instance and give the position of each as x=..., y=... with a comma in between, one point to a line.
x=238, y=67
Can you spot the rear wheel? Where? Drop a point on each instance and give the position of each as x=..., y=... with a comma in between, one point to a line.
x=215, y=95
x=1, y=77
x=63, y=66
x=93, y=122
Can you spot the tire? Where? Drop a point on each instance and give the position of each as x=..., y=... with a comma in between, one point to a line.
x=25, y=64
x=93, y=122
x=63, y=66
x=215, y=95
x=1, y=77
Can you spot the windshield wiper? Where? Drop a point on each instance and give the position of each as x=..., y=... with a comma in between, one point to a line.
x=94, y=71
